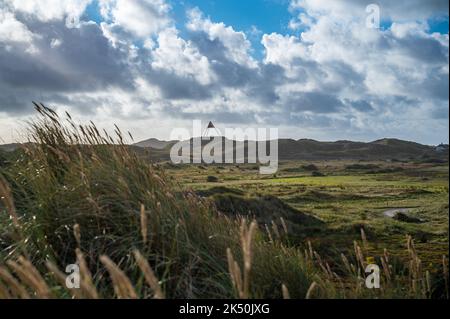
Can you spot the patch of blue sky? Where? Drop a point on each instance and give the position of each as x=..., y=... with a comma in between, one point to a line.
x=267, y=16
x=254, y=17
x=92, y=12
x=439, y=25
x=435, y=25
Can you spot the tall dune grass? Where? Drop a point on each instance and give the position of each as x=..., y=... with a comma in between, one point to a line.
x=78, y=195
x=75, y=175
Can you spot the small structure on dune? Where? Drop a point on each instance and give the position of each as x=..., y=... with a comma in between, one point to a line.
x=211, y=131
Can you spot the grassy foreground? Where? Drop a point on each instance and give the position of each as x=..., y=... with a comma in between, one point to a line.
x=76, y=195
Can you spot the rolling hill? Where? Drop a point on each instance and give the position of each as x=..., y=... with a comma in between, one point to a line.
x=155, y=143
x=306, y=149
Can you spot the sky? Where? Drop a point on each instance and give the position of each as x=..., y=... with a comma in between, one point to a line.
x=311, y=68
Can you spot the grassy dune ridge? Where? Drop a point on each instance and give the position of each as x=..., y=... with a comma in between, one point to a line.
x=79, y=195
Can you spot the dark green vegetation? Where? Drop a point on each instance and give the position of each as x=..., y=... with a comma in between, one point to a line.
x=75, y=194
x=267, y=210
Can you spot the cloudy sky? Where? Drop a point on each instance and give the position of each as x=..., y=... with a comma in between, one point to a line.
x=312, y=68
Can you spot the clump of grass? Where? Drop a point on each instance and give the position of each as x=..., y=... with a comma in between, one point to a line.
x=317, y=174
x=76, y=195
x=212, y=179
x=310, y=167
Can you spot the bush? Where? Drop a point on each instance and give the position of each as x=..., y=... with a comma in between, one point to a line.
x=317, y=174
x=212, y=179
x=310, y=167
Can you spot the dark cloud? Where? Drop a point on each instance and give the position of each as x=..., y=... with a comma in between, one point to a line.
x=222, y=116
x=423, y=49
x=174, y=87
x=63, y=60
x=440, y=112
x=399, y=10
x=316, y=102
x=231, y=74
x=360, y=105
x=259, y=83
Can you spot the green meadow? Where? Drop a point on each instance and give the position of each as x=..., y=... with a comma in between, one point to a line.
x=349, y=196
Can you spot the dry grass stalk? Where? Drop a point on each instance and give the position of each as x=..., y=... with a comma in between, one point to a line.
x=412, y=253
x=353, y=268
x=359, y=255
x=122, y=285
x=86, y=282
x=149, y=275
x=77, y=234
x=364, y=239
x=284, y=225
x=243, y=284
x=322, y=265
x=235, y=273
x=285, y=292
x=386, y=255
x=247, y=250
x=144, y=231
x=27, y=265
x=310, y=250
x=311, y=289
x=4, y=292
x=268, y=233
x=30, y=276
x=61, y=278
x=306, y=255
x=275, y=230
x=329, y=271
x=415, y=268
x=16, y=290
x=346, y=263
